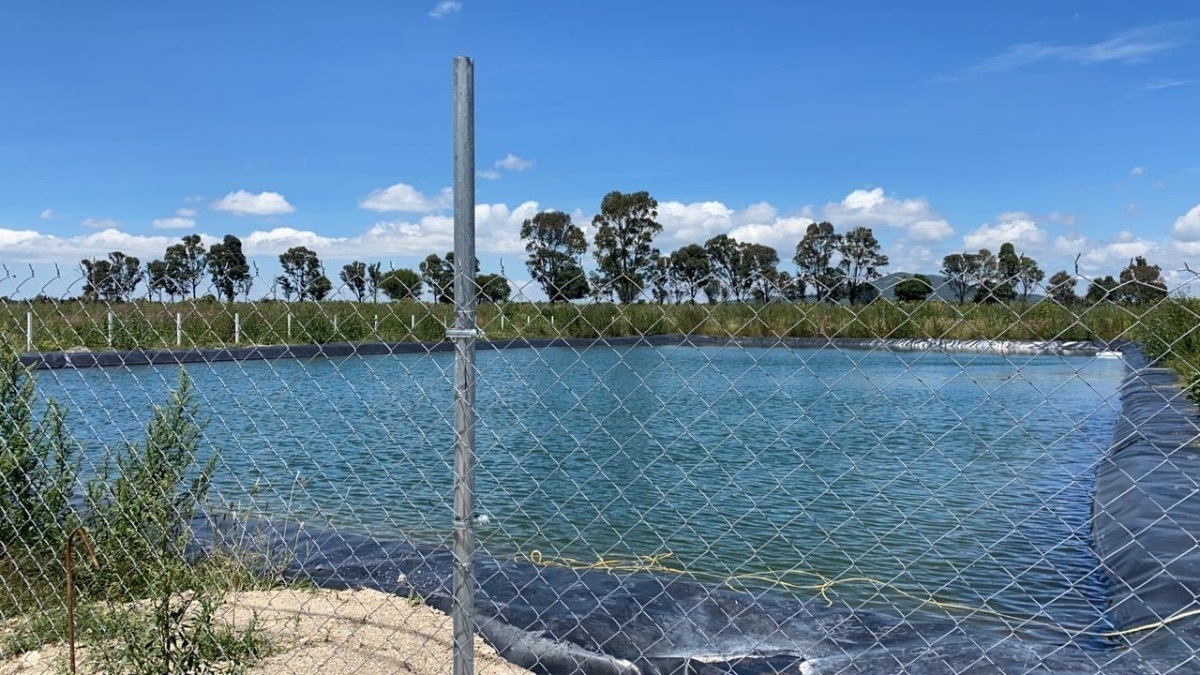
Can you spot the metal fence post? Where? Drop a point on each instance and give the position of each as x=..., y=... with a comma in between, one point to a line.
x=110, y=330
x=237, y=328
x=464, y=334
x=29, y=332
x=178, y=329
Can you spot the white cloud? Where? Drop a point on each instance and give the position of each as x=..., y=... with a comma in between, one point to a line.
x=1164, y=83
x=1017, y=227
x=498, y=230
x=186, y=213
x=781, y=233
x=693, y=223
x=509, y=162
x=761, y=223
x=99, y=223
x=175, y=223
x=497, y=226
x=1137, y=171
x=242, y=203
x=29, y=246
x=1187, y=226
x=404, y=197
x=906, y=257
x=513, y=163
x=697, y=222
x=1131, y=46
x=47, y=214
x=1108, y=257
x=872, y=208
x=1071, y=245
x=193, y=199
x=760, y=212
x=1060, y=217
x=445, y=8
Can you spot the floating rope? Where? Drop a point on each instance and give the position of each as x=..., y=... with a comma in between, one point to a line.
x=654, y=563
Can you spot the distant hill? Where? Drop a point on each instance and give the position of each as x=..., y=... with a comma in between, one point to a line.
x=941, y=287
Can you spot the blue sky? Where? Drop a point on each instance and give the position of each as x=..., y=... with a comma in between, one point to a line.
x=1068, y=128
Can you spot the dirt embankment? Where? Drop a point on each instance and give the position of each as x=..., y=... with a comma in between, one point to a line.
x=325, y=632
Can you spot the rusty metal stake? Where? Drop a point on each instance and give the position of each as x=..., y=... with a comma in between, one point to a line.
x=87, y=544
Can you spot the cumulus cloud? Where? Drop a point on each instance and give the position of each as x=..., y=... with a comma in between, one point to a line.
x=404, y=197
x=445, y=8
x=176, y=223
x=1117, y=253
x=99, y=223
x=1071, y=245
x=760, y=212
x=47, y=214
x=513, y=163
x=1017, y=227
x=185, y=213
x=873, y=208
x=781, y=233
x=761, y=222
x=693, y=223
x=30, y=246
x=509, y=162
x=1187, y=226
x=1137, y=171
x=498, y=230
x=242, y=203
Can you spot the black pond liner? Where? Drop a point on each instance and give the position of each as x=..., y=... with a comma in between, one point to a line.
x=558, y=620
x=1146, y=512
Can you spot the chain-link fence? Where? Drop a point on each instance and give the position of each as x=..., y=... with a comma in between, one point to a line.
x=781, y=486
x=818, y=473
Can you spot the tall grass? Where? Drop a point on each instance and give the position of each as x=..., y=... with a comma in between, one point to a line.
x=152, y=325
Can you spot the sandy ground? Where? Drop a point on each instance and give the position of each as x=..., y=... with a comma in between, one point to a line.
x=326, y=632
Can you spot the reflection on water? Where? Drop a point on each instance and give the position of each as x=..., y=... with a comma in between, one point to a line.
x=964, y=478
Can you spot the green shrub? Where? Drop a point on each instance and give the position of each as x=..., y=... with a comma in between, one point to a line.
x=141, y=503
x=38, y=465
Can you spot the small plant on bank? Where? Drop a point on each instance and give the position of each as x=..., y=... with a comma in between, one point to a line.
x=38, y=466
x=150, y=608
x=141, y=503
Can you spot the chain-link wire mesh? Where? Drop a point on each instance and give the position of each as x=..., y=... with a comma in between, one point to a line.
x=769, y=484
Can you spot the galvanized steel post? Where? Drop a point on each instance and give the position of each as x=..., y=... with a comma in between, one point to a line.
x=464, y=334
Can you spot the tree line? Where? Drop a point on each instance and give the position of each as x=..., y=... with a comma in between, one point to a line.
x=830, y=267
x=179, y=273
x=183, y=268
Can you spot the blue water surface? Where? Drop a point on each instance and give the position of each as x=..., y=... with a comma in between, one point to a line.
x=899, y=477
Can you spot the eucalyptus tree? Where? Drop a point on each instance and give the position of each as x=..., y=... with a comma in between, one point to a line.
x=555, y=246
x=861, y=260
x=624, y=243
